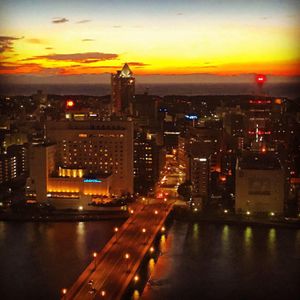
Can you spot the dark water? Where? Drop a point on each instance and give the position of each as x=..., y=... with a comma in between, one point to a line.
x=38, y=259
x=199, y=261
x=207, y=261
x=289, y=90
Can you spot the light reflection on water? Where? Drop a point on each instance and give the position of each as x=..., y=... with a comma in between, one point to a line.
x=38, y=259
x=162, y=243
x=195, y=231
x=272, y=241
x=151, y=265
x=80, y=230
x=228, y=262
x=136, y=295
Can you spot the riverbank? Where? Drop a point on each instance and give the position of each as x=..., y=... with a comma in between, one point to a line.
x=63, y=216
x=231, y=219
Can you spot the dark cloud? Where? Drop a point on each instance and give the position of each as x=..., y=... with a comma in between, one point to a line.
x=89, y=61
x=87, y=40
x=117, y=26
x=78, y=57
x=179, y=14
x=60, y=20
x=6, y=43
x=15, y=68
x=83, y=21
x=137, y=64
x=48, y=48
x=208, y=66
x=35, y=41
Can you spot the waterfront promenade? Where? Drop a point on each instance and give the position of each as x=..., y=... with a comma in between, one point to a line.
x=115, y=266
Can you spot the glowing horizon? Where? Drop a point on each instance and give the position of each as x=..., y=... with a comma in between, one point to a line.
x=171, y=38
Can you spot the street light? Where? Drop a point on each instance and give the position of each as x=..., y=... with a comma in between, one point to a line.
x=64, y=292
x=103, y=293
x=163, y=229
x=95, y=259
x=151, y=249
x=116, y=229
x=144, y=232
x=143, y=200
x=136, y=278
x=127, y=256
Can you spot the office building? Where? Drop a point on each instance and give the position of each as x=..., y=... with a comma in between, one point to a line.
x=88, y=160
x=259, y=184
x=122, y=91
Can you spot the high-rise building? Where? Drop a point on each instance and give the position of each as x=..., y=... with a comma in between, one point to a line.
x=88, y=160
x=122, y=91
x=41, y=166
x=13, y=163
x=97, y=148
x=259, y=184
x=148, y=160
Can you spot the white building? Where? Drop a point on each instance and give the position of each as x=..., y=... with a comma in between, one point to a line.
x=259, y=184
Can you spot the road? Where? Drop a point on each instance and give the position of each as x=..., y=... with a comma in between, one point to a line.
x=108, y=276
x=171, y=177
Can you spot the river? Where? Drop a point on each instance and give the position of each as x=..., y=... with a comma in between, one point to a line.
x=198, y=261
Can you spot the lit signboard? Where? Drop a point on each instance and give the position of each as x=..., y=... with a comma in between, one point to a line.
x=191, y=117
x=92, y=180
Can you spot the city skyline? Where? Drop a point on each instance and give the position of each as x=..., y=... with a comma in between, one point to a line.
x=172, y=41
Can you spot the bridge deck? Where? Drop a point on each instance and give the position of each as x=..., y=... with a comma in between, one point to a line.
x=111, y=272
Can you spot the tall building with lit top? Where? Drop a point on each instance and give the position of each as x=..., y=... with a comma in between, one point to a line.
x=122, y=91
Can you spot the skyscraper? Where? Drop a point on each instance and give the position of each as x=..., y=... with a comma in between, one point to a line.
x=122, y=91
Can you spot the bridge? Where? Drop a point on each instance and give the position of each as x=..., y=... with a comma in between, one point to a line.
x=116, y=265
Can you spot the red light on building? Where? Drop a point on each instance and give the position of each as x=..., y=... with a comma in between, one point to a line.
x=70, y=103
x=260, y=79
x=159, y=195
x=260, y=101
x=259, y=132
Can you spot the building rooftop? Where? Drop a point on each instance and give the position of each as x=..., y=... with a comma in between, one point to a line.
x=259, y=161
x=126, y=72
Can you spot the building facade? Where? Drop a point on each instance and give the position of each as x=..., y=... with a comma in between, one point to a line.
x=95, y=148
x=122, y=91
x=259, y=184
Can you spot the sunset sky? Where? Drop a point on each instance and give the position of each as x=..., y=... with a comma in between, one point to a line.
x=166, y=40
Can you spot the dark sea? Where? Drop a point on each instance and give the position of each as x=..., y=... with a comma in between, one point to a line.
x=288, y=90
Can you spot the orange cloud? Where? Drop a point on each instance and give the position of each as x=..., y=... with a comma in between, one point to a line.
x=76, y=57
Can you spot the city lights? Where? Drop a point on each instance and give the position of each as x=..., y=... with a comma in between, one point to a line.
x=149, y=130
x=64, y=291
x=70, y=103
x=103, y=293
